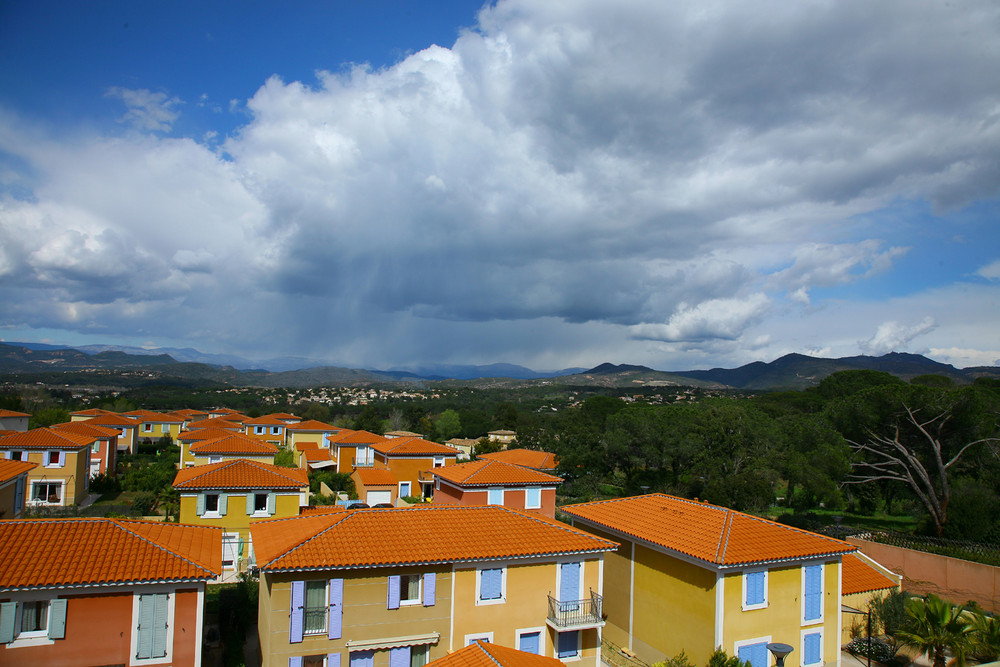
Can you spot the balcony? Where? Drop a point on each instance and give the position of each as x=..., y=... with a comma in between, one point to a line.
x=363, y=462
x=576, y=614
x=425, y=477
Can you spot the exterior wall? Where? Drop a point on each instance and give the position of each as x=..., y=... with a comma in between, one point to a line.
x=75, y=475
x=106, y=455
x=782, y=620
x=202, y=460
x=14, y=423
x=236, y=520
x=617, y=589
x=304, y=437
x=173, y=430
x=859, y=601
x=447, y=494
x=950, y=578
x=99, y=629
x=408, y=470
x=8, y=496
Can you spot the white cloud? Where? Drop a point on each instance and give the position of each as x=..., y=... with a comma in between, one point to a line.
x=718, y=318
x=149, y=111
x=892, y=336
x=991, y=271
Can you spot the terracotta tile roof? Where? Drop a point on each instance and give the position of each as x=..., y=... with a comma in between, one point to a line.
x=189, y=413
x=317, y=455
x=234, y=443
x=525, y=457
x=241, y=474
x=91, y=412
x=716, y=535
x=112, y=419
x=10, y=469
x=46, y=438
x=202, y=434
x=324, y=509
x=347, y=437
x=266, y=420
x=99, y=551
x=12, y=413
x=312, y=425
x=493, y=473
x=285, y=416
x=156, y=417
x=216, y=423
x=860, y=576
x=403, y=434
x=485, y=654
x=227, y=411
x=303, y=446
x=373, y=537
x=376, y=477
x=412, y=447
x=86, y=428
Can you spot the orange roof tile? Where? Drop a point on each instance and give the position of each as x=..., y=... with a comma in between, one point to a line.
x=241, y=474
x=202, y=434
x=156, y=417
x=285, y=416
x=10, y=469
x=112, y=419
x=92, y=412
x=234, y=443
x=376, y=477
x=266, y=420
x=860, y=576
x=46, y=438
x=216, y=423
x=485, y=654
x=716, y=535
x=525, y=457
x=323, y=509
x=316, y=455
x=12, y=413
x=188, y=412
x=101, y=551
x=373, y=537
x=412, y=447
x=312, y=425
x=347, y=437
x=493, y=473
x=86, y=428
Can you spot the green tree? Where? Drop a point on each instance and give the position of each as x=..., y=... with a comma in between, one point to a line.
x=505, y=416
x=935, y=626
x=985, y=637
x=285, y=458
x=48, y=417
x=448, y=425
x=369, y=420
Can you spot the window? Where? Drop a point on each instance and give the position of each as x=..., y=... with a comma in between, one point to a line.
x=32, y=619
x=164, y=428
x=314, y=661
x=211, y=503
x=363, y=456
x=409, y=589
x=481, y=637
x=275, y=430
x=315, y=608
x=494, y=497
x=147, y=428
x=754, y=589
x=530, y=641
x=55, y=459
x=404, y=489
x=569, y=644
x=16, y=456
x=812, y=647
x=215, y=459
x=418, y=656
x=754, y=651
x=260, y=503
x=362, y=658
x=46, y=493
x=812, y=593
x=258, y=430
x=151, y=628
x=490, y=585
x=438, y=461
x=532, y=498
x=96, y=448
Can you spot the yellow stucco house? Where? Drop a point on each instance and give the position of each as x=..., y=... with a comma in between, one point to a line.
x=404, y=586
x=155, y=425
x=690, y=576
x=235, y=494
x=13, y=487
x=226, y=447
x=62, y=474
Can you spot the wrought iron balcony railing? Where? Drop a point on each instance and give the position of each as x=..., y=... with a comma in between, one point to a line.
x=569, y=614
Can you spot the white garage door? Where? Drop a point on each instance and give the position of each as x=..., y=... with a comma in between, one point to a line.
x=375, y=497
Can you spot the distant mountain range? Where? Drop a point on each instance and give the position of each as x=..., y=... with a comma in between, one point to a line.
x=111, y=364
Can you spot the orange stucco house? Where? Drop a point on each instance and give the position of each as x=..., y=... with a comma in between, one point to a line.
x=488, y=482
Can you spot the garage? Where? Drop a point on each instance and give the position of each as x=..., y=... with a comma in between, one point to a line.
x=375, y=497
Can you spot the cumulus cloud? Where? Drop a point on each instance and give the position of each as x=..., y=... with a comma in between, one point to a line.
x=652, y=174
x=147, y=110
x=892, y=336
x=991, y=271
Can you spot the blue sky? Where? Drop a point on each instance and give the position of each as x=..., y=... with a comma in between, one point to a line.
x=681, y=185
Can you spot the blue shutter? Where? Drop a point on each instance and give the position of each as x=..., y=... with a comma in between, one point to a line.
x=160, y=609
x=270, y=503
x=144, y=649
x=333, y=660
x=754, y=582
x=811, y=644
x=296, y=613
x=200, y=509
x=335, y=622
x=8, y=611
x=57, y=618
x=490, y=584
x=295, y=661
x=393, y=596
x=363, y=659
x=530, y=643
x=399, y=657
x=430, y=589
x=569, y=581
x=223, y=504
x=250, y=503
x=814, y=592
x=568, y=644
x=755, y=654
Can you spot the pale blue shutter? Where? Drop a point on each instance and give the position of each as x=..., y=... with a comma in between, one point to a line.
x=57, y=618
x=270, y=503
x=399, y=657
x=295, y=661
x=814, y=592
x=8, y=612
x=569, y=584
x=250, y=503
x=491, y=584
x=811, y=653
x=393, y=596
x=755, y=588
x=530, y=643
x=160, y=608
x=296, y=612
x=755, y=654
x=568, y=644
x=430, y=589
x=223, y=504
x=363, y=659
x=144, y=648
x=333, y=660
x=201, y=504
x=335, y=622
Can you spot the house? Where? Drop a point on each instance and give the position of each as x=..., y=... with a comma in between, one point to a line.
x=115, y=591
x=13, y=487
x=489, y=482
x=62, y=474
x=104, y=450
x=353, y=449
x=403, y=434
x=485, y=654
x=156, y=425
x=408, y=585
x=234, y=424
x=505, y=438
x=311, y=431
x=191, y=437
x=411, y=461
x=234, y=494
x=528, y=458
x=376, y=486
x=690, y=576
x=89, y=413
x=227, y=413
x=862, y=580
x=268, y=428
x=464, y=447
x=127, y=427
x=230, y=446
x=11, y=420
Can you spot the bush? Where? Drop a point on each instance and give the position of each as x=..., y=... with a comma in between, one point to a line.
x=144, y=503
x=880, y=650
x=105, y=483
x=722, y=659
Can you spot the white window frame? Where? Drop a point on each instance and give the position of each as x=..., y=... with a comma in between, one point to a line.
x=822, y=594
x=489, y=494
x=48, y=456
x=438, y=461
x=527, y=631
x=420, y=590
x=212, y=514
x=488, y=636
x=802, y=643
x=62, y=492
x=263, y=512
x=503, y=585
x=305, y=609
x=409, y=489
x=22, y=455
x=134, y=648
x=35, y=638
x=536, y=489
x=743, y=599
x=275, y=430
x=747, y=642
x=164, y=428
x=147, y=427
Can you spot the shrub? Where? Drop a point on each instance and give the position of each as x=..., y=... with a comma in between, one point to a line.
x=878, y=649
x=722, y=659
x=144, y=503
x=105, y=483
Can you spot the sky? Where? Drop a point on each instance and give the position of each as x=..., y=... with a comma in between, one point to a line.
x=684, y=184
